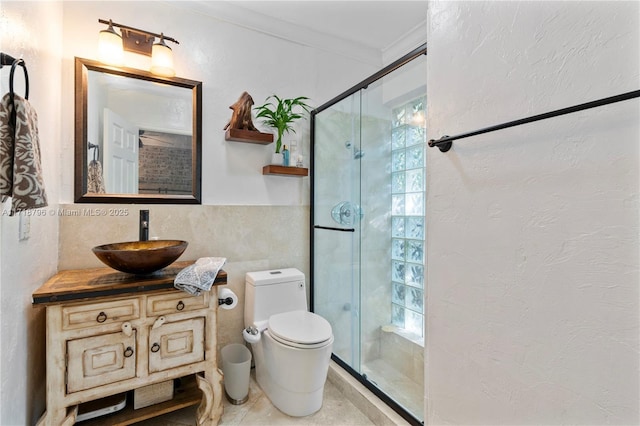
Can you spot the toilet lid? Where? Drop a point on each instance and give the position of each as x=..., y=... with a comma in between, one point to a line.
x=300, y=327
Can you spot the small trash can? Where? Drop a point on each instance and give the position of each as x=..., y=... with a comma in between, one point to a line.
x=236, y=367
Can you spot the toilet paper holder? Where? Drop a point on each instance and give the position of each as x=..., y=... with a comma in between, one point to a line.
x=225, y=301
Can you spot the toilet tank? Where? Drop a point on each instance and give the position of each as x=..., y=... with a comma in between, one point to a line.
x=272, y=292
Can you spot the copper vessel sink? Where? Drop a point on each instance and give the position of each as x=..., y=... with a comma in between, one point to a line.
x=140, y=257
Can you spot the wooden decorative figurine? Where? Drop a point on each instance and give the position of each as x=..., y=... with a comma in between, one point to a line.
x=241, y=117
x=240, y=128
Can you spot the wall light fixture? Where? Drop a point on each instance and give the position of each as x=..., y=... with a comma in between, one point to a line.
x=111, y=46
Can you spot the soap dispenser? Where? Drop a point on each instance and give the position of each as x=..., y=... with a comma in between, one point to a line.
x=285, y=156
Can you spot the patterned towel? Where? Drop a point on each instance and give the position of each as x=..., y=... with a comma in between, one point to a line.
x=20, y=169
x=200, y=276
x=95, y=180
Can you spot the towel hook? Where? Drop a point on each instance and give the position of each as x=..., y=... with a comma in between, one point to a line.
x=96, y=150
x=15, y=64
x=6, y=59
x=10, y=60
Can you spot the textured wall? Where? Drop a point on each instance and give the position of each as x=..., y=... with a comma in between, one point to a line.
x=34, y=34
x=533, y=231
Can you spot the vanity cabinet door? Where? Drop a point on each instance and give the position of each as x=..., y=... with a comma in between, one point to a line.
x=99, y=360
x=176, y=343
x=174, y=303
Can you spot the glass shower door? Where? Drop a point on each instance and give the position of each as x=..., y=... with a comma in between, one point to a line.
x=336, y=219
x=368, y=212
x=392, y=185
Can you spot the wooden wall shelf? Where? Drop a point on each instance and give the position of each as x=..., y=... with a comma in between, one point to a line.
x=248, y=136
x=272, y=169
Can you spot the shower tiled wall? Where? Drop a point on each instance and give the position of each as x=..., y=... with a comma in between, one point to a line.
x=404, y=355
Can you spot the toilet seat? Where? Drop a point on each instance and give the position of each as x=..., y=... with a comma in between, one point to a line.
x=300, y=329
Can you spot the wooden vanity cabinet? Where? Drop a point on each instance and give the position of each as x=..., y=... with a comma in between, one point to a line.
x=109, y=332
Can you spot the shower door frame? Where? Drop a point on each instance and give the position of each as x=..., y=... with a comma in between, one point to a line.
x=421, y=50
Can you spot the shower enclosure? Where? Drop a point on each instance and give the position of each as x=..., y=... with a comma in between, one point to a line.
x=367, y=217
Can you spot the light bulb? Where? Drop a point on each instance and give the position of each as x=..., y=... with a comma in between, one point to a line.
x=162, y=59
x=110, y=47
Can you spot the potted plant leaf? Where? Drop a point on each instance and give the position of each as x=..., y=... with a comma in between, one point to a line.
x=281, y=114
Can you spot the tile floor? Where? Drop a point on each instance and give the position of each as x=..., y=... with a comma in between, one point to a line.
x=258, y=410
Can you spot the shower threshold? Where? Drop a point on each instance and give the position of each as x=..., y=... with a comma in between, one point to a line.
x=373, y=402
x=363, y=398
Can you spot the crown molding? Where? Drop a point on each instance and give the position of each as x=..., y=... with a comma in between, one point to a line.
x=412, y=39
x=235, y=14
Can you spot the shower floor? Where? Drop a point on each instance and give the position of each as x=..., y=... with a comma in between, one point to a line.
x=398, y=386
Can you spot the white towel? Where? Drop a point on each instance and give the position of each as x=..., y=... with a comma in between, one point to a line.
x=200, y=276
x=20, y=168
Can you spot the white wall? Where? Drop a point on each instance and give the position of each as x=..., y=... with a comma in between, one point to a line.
x=33, y=33
x=533, y=231
x=228, y=60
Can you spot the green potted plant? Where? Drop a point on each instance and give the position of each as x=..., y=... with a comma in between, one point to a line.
x=281, y=114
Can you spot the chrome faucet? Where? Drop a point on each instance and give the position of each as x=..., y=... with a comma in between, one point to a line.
x=144, y=225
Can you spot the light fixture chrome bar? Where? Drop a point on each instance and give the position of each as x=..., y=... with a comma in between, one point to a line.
x=137, y=30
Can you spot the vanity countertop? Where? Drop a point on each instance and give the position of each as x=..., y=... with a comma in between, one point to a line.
x=82, y=284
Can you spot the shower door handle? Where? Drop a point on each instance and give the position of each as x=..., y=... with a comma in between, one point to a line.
x=331, y=228
x=346, y=213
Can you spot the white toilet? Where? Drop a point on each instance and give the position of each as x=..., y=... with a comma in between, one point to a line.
x=291, y=346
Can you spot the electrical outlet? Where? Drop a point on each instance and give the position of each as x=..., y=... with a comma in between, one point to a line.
x=24, y=227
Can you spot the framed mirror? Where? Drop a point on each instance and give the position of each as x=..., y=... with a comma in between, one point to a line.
x=138, y=136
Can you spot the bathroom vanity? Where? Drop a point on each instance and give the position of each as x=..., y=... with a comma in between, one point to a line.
x=109, y=332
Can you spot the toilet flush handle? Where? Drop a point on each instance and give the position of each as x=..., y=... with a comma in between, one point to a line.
x=251, y=334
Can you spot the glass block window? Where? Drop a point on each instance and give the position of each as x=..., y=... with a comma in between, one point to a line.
x=408, y=149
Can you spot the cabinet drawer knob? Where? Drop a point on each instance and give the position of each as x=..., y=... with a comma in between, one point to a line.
x=180, y=305
x=102, y=317
x=155, y=348
x=128, y=352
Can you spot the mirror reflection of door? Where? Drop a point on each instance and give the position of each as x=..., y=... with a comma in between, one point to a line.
x=167, y=112
x=120, y=154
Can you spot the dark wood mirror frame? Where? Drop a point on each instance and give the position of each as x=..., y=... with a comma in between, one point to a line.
x=82, y=67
